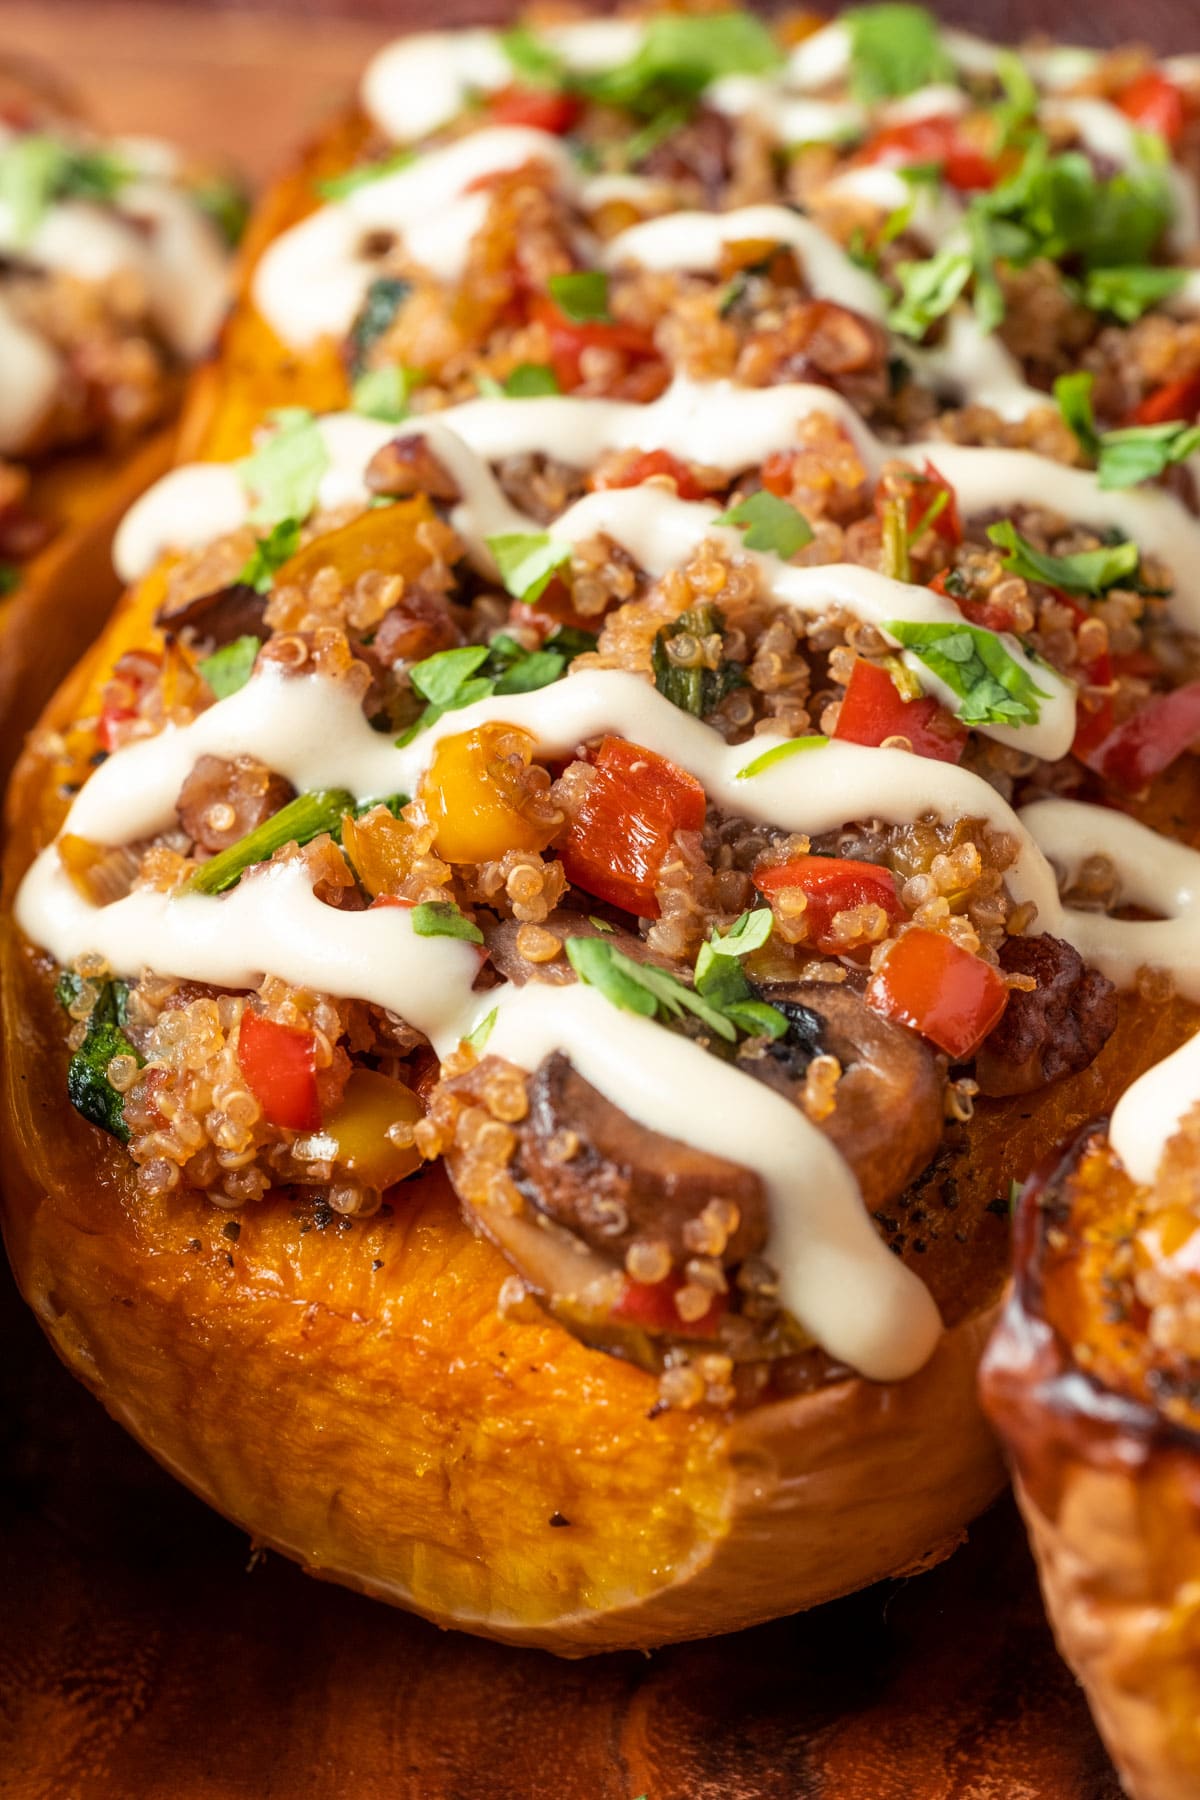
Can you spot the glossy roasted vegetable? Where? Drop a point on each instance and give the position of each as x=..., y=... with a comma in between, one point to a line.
x=1105, y=1444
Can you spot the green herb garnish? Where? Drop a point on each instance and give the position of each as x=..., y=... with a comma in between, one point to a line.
x=1127, y=293
x=894, y=49
x=928, y=290
x=1086, y=572
x=452, y=679
x=581, y=296
x=780, y=753
x=483, y=1031
x=284, y=475
x=721, y=981
x=992, y=686
x=442, y=918
x=383, y=393
x=533, y=59
x=225, y=202
x=528, y=561
x=1127, y=456
x=679, y=56
x=769, y=524
x=269, y=554
x=338, y=187
x=641, y=988
x=301, y=820
x=230, y=667
x=88, y=1087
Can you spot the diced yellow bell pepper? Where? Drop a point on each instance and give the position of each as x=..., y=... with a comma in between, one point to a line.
x=479, y=798
x=370, y=1104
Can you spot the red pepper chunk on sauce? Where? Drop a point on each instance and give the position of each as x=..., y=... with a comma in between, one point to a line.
x=933, y=985
x=624, y=828
x=831, y=885
x=652, y=1305
x=874, y=710
x=538, y=109
x=1156, y=104
x=279, y=1064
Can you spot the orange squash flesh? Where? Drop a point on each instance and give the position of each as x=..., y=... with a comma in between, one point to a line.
x=384, y=1424
x=1107, y=1479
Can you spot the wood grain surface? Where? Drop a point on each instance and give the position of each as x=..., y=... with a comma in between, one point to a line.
x=144, y=1652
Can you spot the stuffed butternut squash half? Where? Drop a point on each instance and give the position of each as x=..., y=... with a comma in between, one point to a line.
x=114, y=267
x=596, y=850
x=1093, y=1380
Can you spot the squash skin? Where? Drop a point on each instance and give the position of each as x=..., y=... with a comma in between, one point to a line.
x=384, y=1426
x=1109, y=1488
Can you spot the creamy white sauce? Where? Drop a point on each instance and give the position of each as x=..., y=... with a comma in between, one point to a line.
x=1151, y=1111
x=29, y=376
x=659, y=530
x=972, y=365
x=695, y=242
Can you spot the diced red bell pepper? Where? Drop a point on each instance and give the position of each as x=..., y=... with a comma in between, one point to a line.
x=1092, y=723
x=280, y=1067
x=1146, y=744
x=649, y=463
x=1155, y=103
x=874, y=709
x=935, y=140
x=652, y=1306
x=569, y=339
x=984, y=613
x=537, y=108
x=933, y=985
x=1173, y=400
x=832, y=884
x=622, y=833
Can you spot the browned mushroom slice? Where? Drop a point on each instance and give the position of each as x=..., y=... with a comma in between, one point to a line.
x=888, y=1115
x=218, y=618
x=589, y=1166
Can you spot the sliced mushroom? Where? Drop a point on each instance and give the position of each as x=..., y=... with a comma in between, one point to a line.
x=218, y=618
x=584, y=1163
x=888, y=1117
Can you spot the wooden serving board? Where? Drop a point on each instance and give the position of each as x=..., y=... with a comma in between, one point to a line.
x=144, y=1652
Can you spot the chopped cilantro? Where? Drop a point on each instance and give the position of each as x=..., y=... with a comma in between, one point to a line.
x=581, y=296
x=284, y=473
x=338, y=187
x=530, y=381
x=534, y=60
x=442, y=918
x=780, y=753
x=483, y=1031
x=1127, y=293
x=1086, y=572
x=641, y=988
x=527, y=561
x=992, y=686
x=269, y=554
x=230, y=667
x=769, y=524
x=928, y=289
x=383, y=394
x=894, y=49
x=1132, y=454
x=452, y=679
x=678, y=57
x=720, y=979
